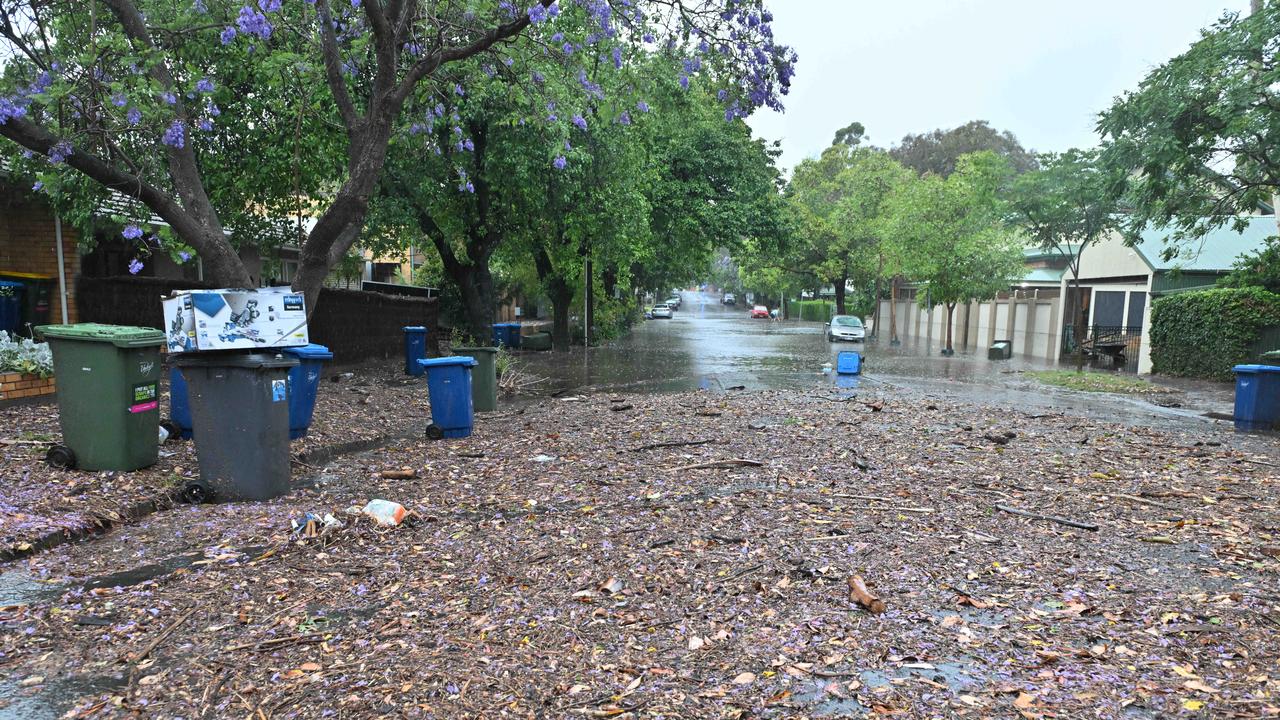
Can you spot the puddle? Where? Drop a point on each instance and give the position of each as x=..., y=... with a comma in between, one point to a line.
x=54, y=698
x=141, y=574
x=815, y=698
x=20, y=587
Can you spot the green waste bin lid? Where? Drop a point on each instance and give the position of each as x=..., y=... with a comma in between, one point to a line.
x=119, y=335
x=473, y=350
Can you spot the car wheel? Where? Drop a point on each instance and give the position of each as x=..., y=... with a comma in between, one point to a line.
x=830, y=338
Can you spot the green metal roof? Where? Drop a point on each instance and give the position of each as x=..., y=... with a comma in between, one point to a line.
x=1216, y=251
x=1038, y=253
x=1043, y=275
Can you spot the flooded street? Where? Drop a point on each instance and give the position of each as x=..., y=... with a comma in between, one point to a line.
x=711, y=346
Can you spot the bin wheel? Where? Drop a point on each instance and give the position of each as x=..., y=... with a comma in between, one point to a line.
x=196, y=493
x=435, y=432
x=171, y=427
x=61, y=457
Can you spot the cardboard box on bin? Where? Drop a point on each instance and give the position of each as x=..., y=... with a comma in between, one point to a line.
x=234, y=319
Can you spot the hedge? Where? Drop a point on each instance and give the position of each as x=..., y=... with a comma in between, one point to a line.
x=814, y=310
x=1204, y=334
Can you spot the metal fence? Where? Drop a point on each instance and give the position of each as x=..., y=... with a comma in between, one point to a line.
x=1113, y=346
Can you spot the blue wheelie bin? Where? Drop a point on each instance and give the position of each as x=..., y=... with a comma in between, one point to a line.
x=304, y=382
x=10, y=306
x=1257, y=397
x=848, y=362
x=507, y=334
x=415, y=349
x=179, y=406
x=449, y=385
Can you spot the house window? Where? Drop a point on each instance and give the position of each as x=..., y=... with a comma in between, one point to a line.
x=1108, y=308
x=1137, y=304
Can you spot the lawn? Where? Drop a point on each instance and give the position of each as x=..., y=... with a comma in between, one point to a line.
x=1098, y=382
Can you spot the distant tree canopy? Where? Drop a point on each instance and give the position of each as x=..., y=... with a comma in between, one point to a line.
x=939, y=151
x=852, y=135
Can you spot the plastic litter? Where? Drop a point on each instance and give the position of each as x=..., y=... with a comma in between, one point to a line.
x=385, y=512
x=311, y=524
x=543, y=458
x=164, y=435
x=826, y=368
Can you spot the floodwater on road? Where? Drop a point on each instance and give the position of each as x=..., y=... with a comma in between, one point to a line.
x=714, y=347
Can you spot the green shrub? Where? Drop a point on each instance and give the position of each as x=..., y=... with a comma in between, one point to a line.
x=1203, y=334
x=814, y=310
x=18, y=354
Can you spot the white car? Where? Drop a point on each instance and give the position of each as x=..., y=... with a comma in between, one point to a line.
x=661, y=310
x=729, y=299
x=846, y=327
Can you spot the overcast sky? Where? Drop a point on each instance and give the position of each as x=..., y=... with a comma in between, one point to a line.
x=1042, y=69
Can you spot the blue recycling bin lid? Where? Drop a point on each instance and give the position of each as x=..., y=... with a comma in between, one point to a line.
x=1247, y=369
x=10, y=283
x=311, y=351
x=449, y=361
x=414, y=328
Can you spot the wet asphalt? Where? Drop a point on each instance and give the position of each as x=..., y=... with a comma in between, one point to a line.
x=714, y=347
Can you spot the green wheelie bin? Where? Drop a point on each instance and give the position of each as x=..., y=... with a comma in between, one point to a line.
x=484, y=377
x=108, y=395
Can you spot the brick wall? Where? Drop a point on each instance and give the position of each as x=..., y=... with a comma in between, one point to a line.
x=28, y=245
x=354, y=324
x=16, y=385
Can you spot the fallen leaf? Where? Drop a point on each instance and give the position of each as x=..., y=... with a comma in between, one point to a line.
x=309, y=667
x=1192, y=704
x=1199, y=685
x=696, y=642
x=1024, y=700
x=745, y=678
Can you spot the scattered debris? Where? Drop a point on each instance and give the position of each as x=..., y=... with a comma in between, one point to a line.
x=385, y=512
x=859, y=594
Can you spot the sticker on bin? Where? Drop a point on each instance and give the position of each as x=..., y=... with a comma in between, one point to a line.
x=279, y=390
x=144, y=398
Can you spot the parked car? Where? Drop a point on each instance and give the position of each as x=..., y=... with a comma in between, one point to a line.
x=674, y=302
x=760, y=311
x=661, y=310
x=729, y=299
x=846, y=327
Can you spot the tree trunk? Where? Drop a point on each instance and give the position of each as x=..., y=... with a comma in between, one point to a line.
x=893, y=311
x=476, y=285
x=561, y=296
x=609, y=278
x=589, y=311
x=875, y=312
x=950, y=349
x=1077, y=321
x=840, y=292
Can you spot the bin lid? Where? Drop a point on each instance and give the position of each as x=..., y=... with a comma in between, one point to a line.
x=414, y=328
x=124, y=336
x=235, y=359
x=10, y=283
x=1256, y=369
x=25, y=275
x=310, y=351
x=473, y=350
x=448, y=361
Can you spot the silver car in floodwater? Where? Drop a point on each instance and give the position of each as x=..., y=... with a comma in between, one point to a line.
x=846, y=327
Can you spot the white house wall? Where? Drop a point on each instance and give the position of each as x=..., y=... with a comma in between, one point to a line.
x=1110, y=258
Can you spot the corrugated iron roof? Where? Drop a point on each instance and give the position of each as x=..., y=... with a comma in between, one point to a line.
x=1218, y=250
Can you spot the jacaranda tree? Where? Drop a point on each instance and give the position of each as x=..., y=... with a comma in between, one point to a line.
x=134, y=95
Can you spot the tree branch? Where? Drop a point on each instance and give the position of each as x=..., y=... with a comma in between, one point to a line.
x=333, y=67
